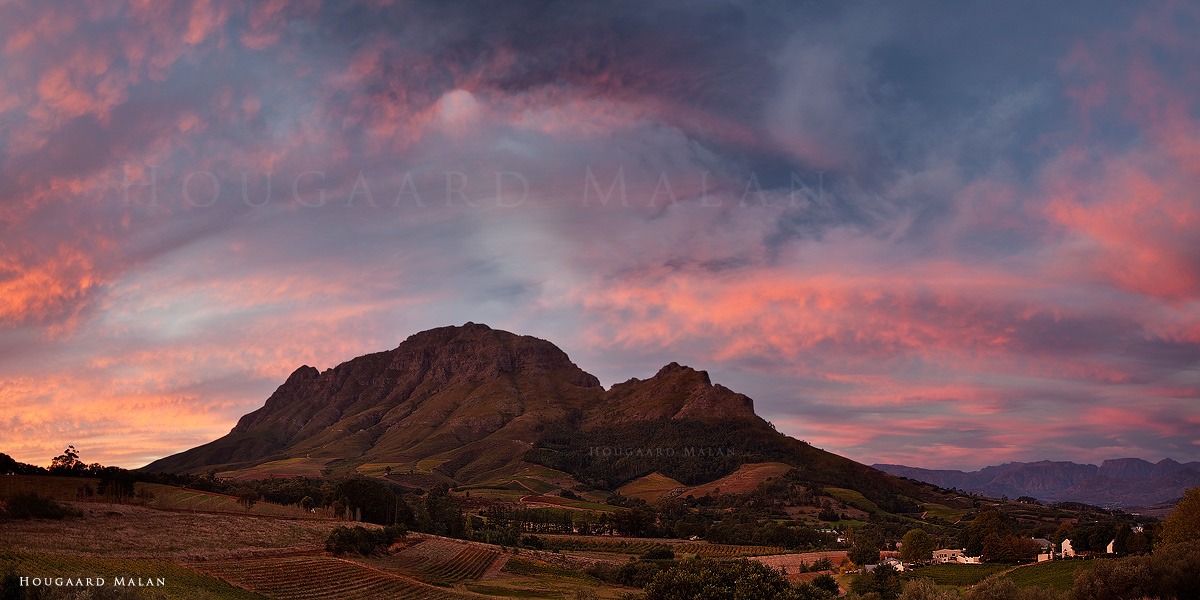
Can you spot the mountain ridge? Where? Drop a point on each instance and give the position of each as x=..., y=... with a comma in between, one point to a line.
x=1119, y=482
x=443, y=389
x=472, y=405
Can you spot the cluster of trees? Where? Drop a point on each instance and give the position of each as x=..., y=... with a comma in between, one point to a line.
x=733, y=580
x=362, y=540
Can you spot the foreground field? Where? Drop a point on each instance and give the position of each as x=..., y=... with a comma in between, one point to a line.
x=438, y=561
x=311, y=577
x=180, y=582
x=1058, y=574
x=117, y=530
x=958, y=575
x=147, y=494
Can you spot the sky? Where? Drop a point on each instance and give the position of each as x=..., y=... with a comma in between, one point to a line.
x=946, y=236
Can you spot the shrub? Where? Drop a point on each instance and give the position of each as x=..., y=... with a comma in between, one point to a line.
x=926, y=589
x=826, y=583
x=32, y=506
x=659, y=554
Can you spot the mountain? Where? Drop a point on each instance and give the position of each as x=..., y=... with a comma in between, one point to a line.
x=1121, y=482
x=473, y=405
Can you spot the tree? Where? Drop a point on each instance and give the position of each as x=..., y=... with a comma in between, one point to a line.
x=988, y=523
x=865, y=550
x=706, y=579
x=1066, y=531
x=916, y=546
x=883, y=582
x=1183, y=524
x=8, y=466
x=247, y=497
x=67, y=463
x=307, y=503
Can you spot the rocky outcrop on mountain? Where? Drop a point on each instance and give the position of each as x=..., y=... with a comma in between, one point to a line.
x=1122, y=482
x=675, y=392
x=1126, y=468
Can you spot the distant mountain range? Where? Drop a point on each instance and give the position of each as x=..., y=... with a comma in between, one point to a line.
x=1119, y=482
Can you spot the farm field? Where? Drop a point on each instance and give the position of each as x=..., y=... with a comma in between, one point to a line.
x=853, y=498
x=790, y=563
x=1056, y=574
x=745, y=479
x=180, y=581
x=568, y=503
x=310, y=577
x=174, y=498
x=957, y=575
x=650, y=487
x=68, y=489
x=641, y=546
x=125, y=531
x=438, y=561
x=527, y=577
x=945, y=513
x=288, y=467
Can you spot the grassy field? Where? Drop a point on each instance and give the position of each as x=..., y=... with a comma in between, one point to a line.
x=59, y=488
x=745, y=479
x=1056, y=574
x=957, y=575
x=854, y=499
x=170, y=497
x=150, y=494
x=944, y=513
x=642, y=545
x=524, y=577
x=650, y=487
x=288, y=467
x=180, y=582
x=118, y=530
x=305, y=577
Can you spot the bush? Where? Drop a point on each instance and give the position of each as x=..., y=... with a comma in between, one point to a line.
x=659, y=554
x=1002, y=588
x=926, y=589
x=533, y=541
x=361, y=540
x=826, y=583
x=32, y=506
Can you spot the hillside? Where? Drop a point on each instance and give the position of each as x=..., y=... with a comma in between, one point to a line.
x=472, y=405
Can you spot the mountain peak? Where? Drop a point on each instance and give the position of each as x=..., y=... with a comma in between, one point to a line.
x=304, y=373
x=675, y=368
x=675, y=392
x=450, y=392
